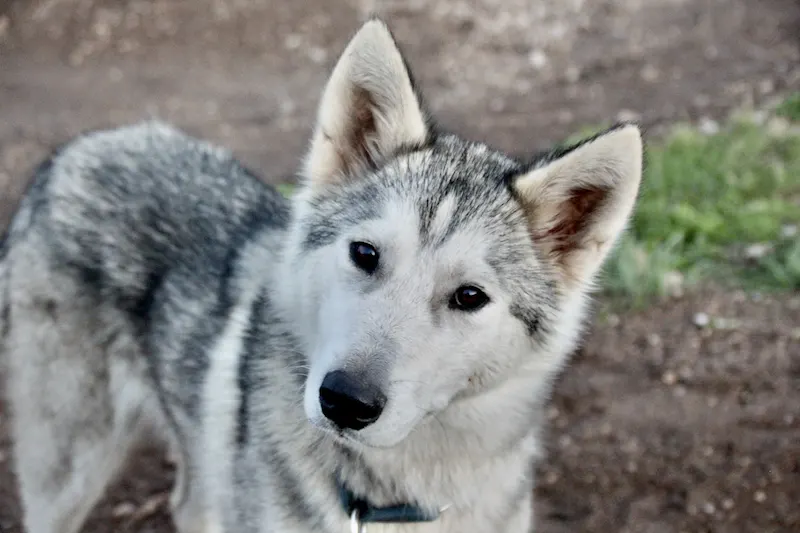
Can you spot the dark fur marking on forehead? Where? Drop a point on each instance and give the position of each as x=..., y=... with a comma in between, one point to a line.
x=477, y=175
x=473, y=200
x=335, y=212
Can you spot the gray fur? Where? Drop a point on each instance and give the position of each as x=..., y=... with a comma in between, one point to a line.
x=153, y=285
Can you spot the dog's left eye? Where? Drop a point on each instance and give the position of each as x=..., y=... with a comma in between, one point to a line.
x=468, y=298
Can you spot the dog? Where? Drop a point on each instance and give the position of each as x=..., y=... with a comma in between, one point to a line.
x=372, y=355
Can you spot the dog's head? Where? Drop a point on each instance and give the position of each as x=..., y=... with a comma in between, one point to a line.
x=428, y=269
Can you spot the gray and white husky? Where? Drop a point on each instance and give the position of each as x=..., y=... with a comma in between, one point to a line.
x=372, y=355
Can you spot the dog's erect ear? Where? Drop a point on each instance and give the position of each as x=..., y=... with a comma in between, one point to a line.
x=368, y=111
x=579, y=200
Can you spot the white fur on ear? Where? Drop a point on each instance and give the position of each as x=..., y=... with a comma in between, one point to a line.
x=368, y=109
x=579, y=203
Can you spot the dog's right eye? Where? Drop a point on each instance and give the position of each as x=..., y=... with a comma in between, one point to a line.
x=468, y=298
x=364, y=256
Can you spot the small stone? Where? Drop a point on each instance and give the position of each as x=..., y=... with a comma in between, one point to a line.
x=757, y=251
x=628, y=115
x=551, y=478
x=293, y=41
x=760, y=496
x=123, y=509
x=727, y=504
x=708, y=126
x=537, y=59
x=5, y=23
x=669, y=378
x=778, y=126
x=674, y=283
x=701, y=320
x=317, y=55
x=654, y=340
x=709, y=508
x=649, y=73
x=788, y=231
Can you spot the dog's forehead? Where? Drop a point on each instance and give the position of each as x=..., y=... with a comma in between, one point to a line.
x=452, y=163
x=455, y=185
x=445, y=187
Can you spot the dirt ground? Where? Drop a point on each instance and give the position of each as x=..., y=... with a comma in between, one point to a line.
x=658, y=425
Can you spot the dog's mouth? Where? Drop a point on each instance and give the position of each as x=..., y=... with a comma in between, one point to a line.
x=343, y=437
x=347, y=438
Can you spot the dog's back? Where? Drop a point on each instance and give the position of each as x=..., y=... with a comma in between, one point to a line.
x=120, y=208
x=116, y=269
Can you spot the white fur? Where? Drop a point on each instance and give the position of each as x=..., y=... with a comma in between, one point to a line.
x=371, y=64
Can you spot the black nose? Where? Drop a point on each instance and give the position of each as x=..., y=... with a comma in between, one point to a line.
x=349, y=402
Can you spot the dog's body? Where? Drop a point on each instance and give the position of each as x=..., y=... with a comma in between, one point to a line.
x=391, y=336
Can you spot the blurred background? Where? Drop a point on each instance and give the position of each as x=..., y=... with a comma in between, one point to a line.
x=682, y=410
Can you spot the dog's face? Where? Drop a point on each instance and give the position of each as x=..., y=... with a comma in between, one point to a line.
x=431, y=269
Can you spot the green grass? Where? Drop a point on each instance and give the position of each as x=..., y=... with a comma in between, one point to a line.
x=706, y=200
x=286, y=189
x=790, y=108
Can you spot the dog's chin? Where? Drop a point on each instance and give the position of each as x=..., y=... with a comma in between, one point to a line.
x=352, y=439
x=345, y=438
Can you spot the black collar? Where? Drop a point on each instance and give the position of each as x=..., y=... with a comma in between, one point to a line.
x=367, y=513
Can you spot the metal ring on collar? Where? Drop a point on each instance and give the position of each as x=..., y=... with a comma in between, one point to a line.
x=355, y=523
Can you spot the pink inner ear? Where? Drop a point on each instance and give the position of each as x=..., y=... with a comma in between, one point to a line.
x=353, y=149
x=574, y=215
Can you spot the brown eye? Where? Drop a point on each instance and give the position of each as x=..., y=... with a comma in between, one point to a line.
x=364, y=256
x=468, y=298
